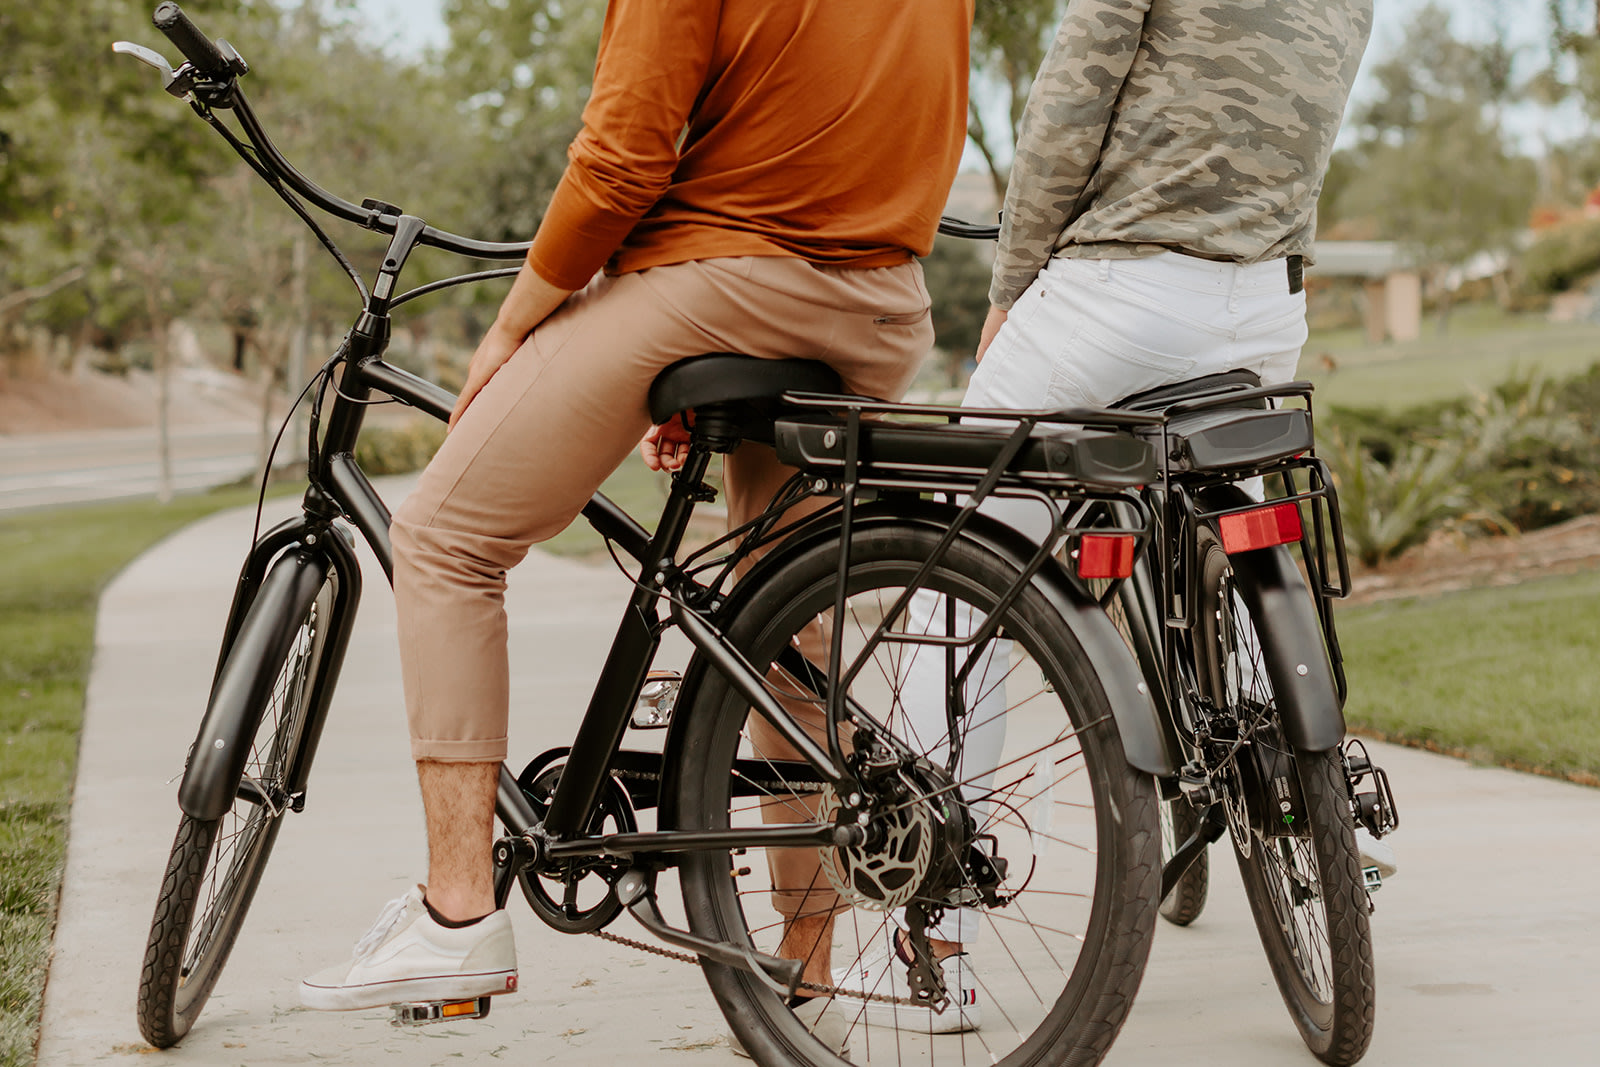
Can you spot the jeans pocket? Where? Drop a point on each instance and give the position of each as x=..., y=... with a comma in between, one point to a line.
x=1097, y=370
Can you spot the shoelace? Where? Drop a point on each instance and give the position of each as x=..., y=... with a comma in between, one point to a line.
x=388, y=918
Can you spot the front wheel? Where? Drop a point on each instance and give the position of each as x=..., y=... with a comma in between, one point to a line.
x=1297, y=854
x=216, y=864
x=1045, y=875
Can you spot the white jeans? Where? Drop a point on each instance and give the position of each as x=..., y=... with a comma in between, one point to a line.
x=1088, y=333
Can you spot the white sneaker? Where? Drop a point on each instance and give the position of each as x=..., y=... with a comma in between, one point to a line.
x=406, y=956
x=826, y=1020
x=886, y=974
x=1375, y=853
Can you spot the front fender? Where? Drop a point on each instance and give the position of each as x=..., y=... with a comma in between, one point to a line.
x=244, y=684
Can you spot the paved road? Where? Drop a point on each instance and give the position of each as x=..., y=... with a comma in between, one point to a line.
x=1486, y=943
x=45, y=470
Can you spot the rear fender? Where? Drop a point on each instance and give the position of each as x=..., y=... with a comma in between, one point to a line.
x=1292, y=642
x=1134, y=712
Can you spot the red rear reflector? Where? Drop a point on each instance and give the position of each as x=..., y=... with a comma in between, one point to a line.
x=1278, y=524
x=1106, y=555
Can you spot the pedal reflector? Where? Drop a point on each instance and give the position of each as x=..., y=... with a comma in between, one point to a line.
x=421, y=1013
x=1278, y=524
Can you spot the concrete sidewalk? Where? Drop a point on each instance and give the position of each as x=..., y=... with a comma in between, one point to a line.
x=1487, y=944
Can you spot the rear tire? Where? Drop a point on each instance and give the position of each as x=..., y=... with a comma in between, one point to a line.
x=216, y=864
x=1058, y=964
x=1305, y=887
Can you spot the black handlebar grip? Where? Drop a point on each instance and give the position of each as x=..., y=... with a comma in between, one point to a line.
x=196, y=47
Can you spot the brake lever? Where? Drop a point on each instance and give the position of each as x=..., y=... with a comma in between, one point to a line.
x=180, y=84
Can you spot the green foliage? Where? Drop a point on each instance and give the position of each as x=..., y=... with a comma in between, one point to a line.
x=1434, y=168
x=1009, y=40
x=1389, y=507
x=524, y=70
x=1518, y=457
x=1561, y=257
x=958, y=282
x=399, y=449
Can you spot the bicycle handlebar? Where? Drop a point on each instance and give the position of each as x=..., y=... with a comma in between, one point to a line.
x=196, y=47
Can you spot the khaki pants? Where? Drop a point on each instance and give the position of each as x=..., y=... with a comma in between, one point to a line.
x=566, y=410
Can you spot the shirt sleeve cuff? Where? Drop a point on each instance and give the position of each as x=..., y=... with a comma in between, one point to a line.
x=576, y=237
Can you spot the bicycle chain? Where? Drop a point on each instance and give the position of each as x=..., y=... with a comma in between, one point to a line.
x=813, y=987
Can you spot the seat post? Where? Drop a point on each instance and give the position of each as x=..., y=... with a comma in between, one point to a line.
x=688, y=488
x=717, y=427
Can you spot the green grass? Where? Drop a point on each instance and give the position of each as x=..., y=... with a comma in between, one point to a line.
x=1503, y=675
x=1484, y=347
x=635, y=488
x=53, y=566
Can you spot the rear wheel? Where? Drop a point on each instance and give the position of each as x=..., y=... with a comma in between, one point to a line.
x=1055, y=938
x=1298, y=860
x=216, y=864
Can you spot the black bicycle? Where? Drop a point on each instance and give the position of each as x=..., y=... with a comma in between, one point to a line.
x=1239, y=643
x=870, y=601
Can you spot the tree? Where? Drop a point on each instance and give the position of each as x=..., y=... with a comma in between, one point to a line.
x=1434, y=168
x=958, y=282
x=525, y=70
x=1009, y=40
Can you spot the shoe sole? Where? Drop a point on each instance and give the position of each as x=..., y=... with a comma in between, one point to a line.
x=952, y=1020
x=406, y=990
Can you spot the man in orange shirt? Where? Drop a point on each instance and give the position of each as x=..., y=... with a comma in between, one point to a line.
x=753, y=177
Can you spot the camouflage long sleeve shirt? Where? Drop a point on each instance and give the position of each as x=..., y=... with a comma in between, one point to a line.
x=1195, y=126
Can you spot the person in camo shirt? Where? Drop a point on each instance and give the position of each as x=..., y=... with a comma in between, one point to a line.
x=1161, y=208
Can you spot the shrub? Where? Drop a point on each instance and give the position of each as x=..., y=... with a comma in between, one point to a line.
x=399, y=449
x=1561, y=257
x=1389, y=507
x=1522, y=456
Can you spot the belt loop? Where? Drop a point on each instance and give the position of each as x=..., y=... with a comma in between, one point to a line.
x=1297, y=273
x=1105, y=270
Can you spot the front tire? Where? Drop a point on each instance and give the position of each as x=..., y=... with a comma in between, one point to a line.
x=216, y=864
x=1057, y=964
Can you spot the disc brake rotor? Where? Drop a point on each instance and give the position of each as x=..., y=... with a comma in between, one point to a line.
x=887, y=874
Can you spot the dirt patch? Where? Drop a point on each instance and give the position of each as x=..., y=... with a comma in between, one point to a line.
x=1449, y=562
x=52, y=402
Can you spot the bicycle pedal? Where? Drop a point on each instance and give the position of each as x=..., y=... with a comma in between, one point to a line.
x=1372, y=878
x=420, y=1013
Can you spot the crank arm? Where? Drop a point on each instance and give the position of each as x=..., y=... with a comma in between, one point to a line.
x=779, y=975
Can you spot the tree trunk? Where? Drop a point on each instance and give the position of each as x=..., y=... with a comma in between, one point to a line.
x=162, y=336
x=300, y=308
x=1446, y=303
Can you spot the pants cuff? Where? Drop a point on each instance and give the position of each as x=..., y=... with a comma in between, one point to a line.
x=492, y=750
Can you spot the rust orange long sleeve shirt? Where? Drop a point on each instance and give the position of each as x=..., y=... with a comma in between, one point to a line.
x=829, y=130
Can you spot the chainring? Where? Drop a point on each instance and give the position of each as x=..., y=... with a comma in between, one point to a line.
x=588, y=901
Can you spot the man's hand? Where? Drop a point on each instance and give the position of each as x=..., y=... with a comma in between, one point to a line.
x=529, y=303
x=493, y=351
x=991, y=326
x=665, y=447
